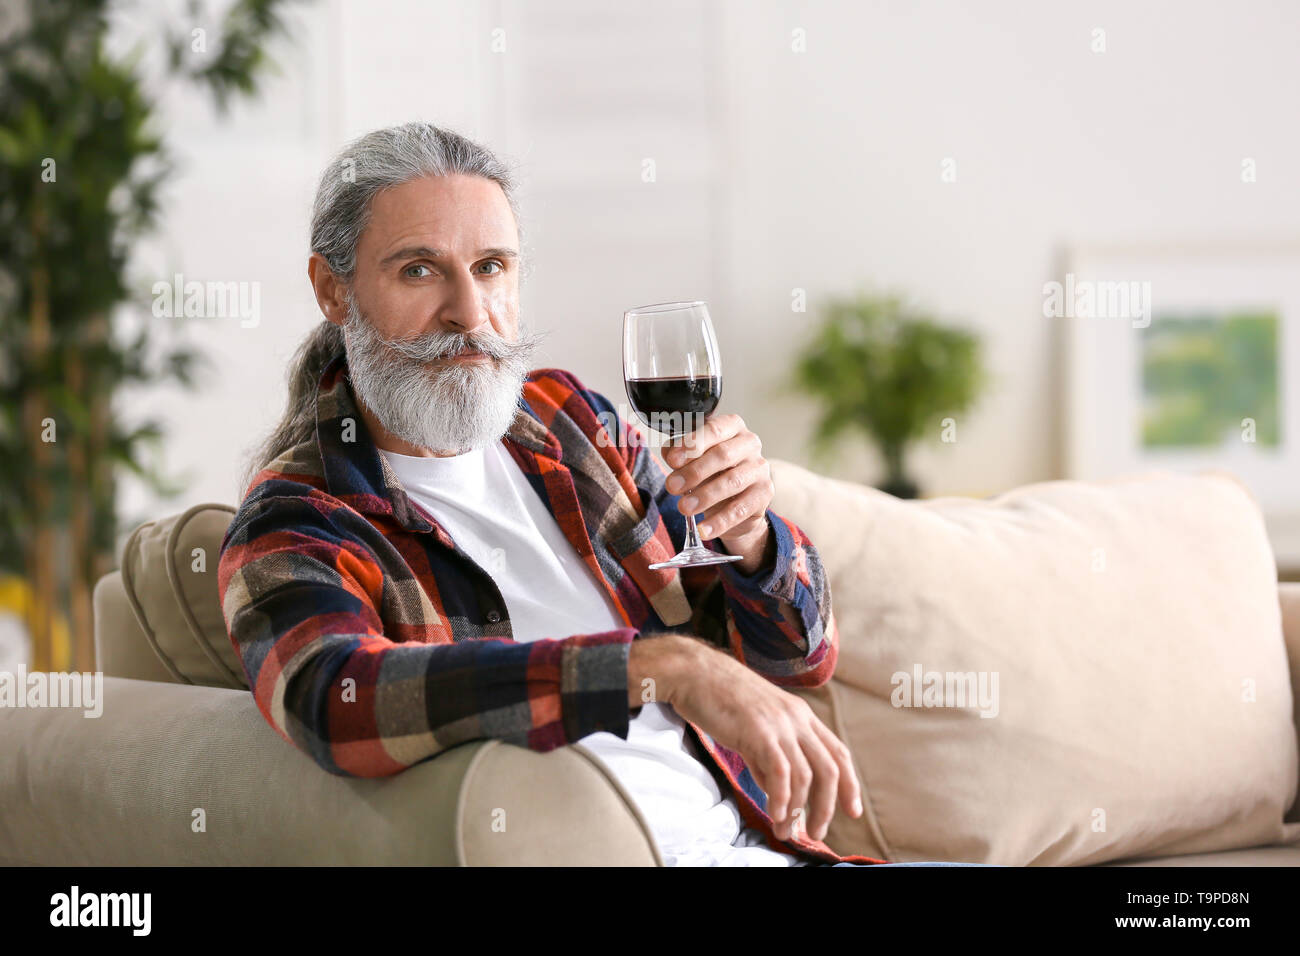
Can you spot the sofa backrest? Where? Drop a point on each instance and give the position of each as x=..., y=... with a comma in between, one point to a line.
x=1067, y=673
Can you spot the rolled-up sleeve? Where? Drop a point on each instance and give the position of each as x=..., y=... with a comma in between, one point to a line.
x=779, y=620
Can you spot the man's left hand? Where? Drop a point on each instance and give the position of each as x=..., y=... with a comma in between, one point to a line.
x=730, y=484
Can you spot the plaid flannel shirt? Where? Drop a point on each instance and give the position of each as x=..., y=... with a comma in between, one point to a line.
x=330, y=572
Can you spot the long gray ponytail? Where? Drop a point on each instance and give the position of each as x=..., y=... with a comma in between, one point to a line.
x=298, y=423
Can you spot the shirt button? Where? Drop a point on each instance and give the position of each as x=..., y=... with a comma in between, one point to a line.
x=494, y=615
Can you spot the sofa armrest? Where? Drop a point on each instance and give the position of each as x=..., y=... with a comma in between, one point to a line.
x=1289, y=596
x=122, y=790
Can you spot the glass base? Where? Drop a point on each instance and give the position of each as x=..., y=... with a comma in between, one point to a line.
x=696, y=558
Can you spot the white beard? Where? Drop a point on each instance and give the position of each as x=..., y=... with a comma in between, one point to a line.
x=450, y=410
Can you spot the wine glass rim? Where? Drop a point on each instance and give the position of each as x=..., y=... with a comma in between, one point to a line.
x=663, y=307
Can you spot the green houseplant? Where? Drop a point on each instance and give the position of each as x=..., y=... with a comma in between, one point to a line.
x=82, y=161
x=878, y=368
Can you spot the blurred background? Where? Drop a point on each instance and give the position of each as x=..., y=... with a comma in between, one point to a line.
x=873, y=198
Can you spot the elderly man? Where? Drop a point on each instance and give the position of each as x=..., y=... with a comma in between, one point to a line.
x=441, y=544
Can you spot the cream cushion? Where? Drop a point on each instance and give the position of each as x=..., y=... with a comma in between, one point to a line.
x=1143, y=701
x=169, y=575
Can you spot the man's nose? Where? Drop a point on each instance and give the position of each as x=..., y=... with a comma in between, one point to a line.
x=464, y=310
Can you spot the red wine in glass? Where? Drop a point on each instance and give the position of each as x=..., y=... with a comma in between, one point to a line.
x=673, y=373
x=675, y=404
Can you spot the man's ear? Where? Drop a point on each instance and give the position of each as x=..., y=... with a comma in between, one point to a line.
x=329, y=288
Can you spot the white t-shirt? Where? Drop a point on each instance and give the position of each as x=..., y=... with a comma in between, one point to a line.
x=484, y=501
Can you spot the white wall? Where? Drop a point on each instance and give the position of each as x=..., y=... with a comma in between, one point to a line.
x=775, y=170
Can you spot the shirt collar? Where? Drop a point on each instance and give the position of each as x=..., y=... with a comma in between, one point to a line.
x=360, y=477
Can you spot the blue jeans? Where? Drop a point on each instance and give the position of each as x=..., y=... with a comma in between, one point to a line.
x=875, y=866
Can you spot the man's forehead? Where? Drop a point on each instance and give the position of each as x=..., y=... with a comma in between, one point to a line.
x=459, y=205
x=469, y=228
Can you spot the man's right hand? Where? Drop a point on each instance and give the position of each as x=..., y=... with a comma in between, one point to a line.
x=794, y=757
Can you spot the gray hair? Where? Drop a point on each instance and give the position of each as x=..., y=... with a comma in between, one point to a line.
x=379, y=160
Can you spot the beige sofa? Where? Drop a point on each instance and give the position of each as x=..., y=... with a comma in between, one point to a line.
x=181, y=768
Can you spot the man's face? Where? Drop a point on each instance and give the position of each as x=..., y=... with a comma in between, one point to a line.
x=435, y=350
x=440, y=253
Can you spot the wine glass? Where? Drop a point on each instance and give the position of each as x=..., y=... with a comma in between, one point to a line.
x=673, y=373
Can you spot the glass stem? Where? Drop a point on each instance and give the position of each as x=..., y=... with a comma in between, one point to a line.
x=693, y=542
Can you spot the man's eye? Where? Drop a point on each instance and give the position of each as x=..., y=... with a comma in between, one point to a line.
x=418, y=265
x=494, y=262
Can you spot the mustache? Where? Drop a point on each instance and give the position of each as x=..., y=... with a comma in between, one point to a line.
x=436, y=345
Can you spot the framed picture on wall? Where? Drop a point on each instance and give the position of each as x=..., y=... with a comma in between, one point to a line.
x=1186, y=357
